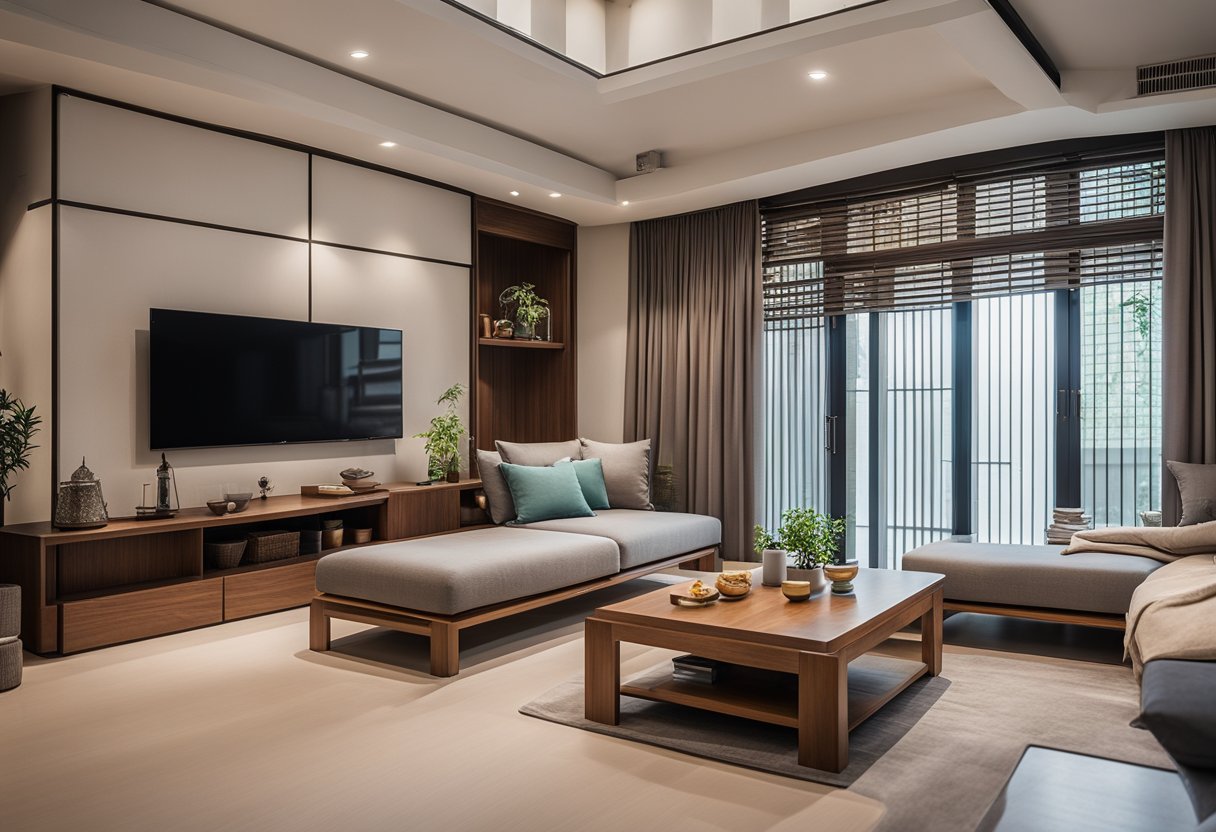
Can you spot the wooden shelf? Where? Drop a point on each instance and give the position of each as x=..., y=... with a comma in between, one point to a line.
x=519, y=343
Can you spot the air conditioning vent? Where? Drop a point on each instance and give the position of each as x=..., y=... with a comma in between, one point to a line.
x=1176, y=76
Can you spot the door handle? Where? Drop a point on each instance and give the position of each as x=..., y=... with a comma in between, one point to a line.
x=829, y=434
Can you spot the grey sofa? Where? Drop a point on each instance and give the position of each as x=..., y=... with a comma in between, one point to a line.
x=436, y=586
x=1034, y=581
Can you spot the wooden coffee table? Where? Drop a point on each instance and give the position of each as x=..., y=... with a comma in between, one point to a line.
x=816, y=640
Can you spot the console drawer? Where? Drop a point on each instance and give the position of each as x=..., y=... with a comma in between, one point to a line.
x=126, y=616
x=267, y=590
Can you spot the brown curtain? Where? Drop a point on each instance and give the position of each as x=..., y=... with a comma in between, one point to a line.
x=1189, y=306
x=693, y=361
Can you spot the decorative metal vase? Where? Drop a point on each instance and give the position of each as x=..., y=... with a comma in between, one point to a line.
x=80, y=504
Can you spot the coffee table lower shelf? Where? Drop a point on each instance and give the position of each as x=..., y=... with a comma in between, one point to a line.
x=772, y=697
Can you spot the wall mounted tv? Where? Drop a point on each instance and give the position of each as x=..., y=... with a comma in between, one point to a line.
x=218, y=380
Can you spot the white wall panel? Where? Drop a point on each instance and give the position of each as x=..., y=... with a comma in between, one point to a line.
x=122, y=159
x=603, y=328
x=429, y=302
x=112, y=270
x=367, y=208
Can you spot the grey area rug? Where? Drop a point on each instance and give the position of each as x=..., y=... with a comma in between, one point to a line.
x=936, y=756
x=743, y=742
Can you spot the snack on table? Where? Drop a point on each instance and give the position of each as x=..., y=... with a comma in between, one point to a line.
x=735, y=584
x=699, y=590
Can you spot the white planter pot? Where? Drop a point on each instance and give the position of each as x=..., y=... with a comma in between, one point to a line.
x=815, y=576
x=775, y=563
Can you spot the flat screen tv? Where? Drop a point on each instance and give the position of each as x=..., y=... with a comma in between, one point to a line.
x=218, y=380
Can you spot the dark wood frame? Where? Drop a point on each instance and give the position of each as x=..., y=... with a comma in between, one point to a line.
x=444, y=630
x=1107, y=621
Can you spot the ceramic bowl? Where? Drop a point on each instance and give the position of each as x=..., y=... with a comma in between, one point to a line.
x=796, y=590
x=218, y=507
x=240, y=501
x=840, y=571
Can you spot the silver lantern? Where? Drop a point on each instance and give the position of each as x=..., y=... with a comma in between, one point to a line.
x=80, y=504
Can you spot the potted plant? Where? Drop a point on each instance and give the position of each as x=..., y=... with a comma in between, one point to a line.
x=18, y=424
x=811, y=539
x=443, y=437
x=530, y=308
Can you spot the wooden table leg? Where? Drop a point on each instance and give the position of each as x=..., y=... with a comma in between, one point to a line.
x=602, y=680
x=823, y=711
x=931, y=636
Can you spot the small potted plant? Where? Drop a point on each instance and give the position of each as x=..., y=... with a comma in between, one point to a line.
x=530, y=308
x=18, y=424
x=811, y=539
x=443, y=438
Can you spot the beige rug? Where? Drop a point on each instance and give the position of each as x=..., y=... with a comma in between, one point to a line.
x=943, y=752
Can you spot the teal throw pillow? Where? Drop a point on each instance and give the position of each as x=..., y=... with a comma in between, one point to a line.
x=544, y=493
x=590, y=473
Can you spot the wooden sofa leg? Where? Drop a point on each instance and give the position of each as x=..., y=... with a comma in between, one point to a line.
x=705, y=563
x=318, y=626
x=445, y=649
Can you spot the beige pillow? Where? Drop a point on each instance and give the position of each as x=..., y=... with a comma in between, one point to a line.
x=537, y=453
x=1197, y=487
x=498, y=495
x=626, y=471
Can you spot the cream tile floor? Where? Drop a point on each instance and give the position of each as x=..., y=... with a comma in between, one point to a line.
x=240, y=727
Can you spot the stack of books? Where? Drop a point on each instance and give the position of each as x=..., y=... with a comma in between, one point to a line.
x=1065, y=523
x=694, y=669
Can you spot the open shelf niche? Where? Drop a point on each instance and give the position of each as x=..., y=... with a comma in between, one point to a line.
x=526, y=390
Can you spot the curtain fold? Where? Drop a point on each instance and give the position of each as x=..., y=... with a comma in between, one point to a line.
x=692, y=368
x=1189, y=307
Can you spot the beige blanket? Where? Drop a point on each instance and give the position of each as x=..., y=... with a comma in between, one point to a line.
x=1166, y=544
x=1173, y=613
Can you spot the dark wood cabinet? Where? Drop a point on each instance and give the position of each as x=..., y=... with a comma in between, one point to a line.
x=526, y=390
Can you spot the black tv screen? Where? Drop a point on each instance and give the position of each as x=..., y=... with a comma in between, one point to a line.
x=233, y=380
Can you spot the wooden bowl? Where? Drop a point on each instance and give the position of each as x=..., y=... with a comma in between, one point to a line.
x=840, y=571
x=796, y=590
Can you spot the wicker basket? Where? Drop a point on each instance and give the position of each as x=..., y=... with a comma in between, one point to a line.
x=268, y=546
x=224, y=554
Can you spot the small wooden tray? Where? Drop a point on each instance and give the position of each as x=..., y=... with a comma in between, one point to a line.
x=314, y=491
x=683, y=599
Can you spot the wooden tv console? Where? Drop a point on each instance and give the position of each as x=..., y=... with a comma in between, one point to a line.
x=135, y=579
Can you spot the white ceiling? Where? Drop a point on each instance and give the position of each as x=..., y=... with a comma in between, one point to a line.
x=911, y=80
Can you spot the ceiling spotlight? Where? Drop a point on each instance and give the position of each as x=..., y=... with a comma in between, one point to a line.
x=388, y=144
x=360, y=54
x=624, y=202
x=514, y=193
x=817, y=75
x=554, y=195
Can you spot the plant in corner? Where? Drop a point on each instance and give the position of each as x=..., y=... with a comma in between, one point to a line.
x=530, y=308
x=443, y=437
x=18, y=424
x=810, y=537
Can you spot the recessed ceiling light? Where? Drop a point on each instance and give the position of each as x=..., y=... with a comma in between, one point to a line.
x=514, y=193
x=554, y=195
x=624, y=202
x=388, y=144
x=360, y=54
x=817, y=75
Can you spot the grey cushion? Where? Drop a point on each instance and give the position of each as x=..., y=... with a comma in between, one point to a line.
x=537, y=453
x=643, y=536
x=453, y=573
x=1178, y=704
x=1197, y=488
x=498, y=495
x=626, y=471
x=1033, y=576
x=1201, y=786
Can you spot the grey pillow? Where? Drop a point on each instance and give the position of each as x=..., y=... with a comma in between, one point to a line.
x=626, y=471
x=1197, y=486
x=537, y=453
x=498, y=495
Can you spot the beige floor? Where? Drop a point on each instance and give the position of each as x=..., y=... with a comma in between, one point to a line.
x=239, y=727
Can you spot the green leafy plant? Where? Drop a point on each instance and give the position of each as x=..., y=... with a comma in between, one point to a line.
x=18, y=424
x=811, y=537
x=763, y=539
x=443, y=438
x=530, y=308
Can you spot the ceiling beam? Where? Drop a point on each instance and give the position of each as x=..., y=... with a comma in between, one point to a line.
x=1009, y=15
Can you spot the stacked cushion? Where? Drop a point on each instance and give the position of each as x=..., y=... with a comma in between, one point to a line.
x=626, y=471
x=545, y=492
